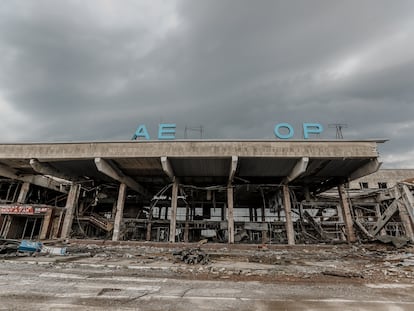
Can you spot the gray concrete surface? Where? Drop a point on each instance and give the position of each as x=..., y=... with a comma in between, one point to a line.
x=41, y=286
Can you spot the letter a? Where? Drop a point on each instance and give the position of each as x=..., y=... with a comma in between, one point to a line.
x=141, y=132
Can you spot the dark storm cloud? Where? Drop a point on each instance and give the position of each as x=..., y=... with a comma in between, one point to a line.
x=76, y=71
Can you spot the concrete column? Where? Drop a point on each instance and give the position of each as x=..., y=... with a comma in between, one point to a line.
x=405, y=219
x=113, y=213
x=120, y=203
x=346, y=213
x=290, y=232
x=263, y=214
x=187, y=225
x=71, y=203
x=149, y=229
x=230, y=214
x=173, y=220
x=307, y=194
x=24, y=190
x=46, y=224
x=57, y=225
x=6, y=226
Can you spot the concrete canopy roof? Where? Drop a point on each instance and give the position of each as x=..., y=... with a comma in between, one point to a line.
x=202, y=162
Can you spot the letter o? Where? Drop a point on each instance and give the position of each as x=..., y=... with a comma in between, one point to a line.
x=284, y=136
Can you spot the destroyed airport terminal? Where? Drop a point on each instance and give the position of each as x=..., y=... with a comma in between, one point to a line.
x=238, y=191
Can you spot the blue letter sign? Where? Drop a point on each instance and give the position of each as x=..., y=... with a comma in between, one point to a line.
x=284, y=136
x=141, y=132
x=311, y=128
x=166, y=131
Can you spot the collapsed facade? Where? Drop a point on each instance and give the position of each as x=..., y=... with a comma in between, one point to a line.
x=184, y=191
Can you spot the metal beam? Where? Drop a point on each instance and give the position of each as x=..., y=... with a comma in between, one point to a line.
x=105, y=167
x=38, y=180
x=298, y=169
x=45, y=168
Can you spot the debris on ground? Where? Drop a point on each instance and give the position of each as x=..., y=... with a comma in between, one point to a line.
x=12, y=248
x=397, y=241
x=29, y=246
x=8, y=246
x=192, y=256
x=343, y=274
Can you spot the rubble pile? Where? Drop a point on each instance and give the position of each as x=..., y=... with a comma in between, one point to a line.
x=192, y=256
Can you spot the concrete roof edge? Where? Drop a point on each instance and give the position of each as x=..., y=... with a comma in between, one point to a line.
x=376, y=140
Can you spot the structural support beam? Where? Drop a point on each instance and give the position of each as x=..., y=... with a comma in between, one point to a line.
x=46, y=224
x=405, y=219
x=367, y=169
x=119, y=212
x=233, y=168
x=230, y=199
x=71, y=204
x=38, y=180
x=45, y=168
x=346, y=213
x=24, y=191
x=298, y=169
x=290, y=232
x=230, y=213
x=166, y=166
x=105, y=167
x=173, y=221
x=385, y=218
x=409, y=200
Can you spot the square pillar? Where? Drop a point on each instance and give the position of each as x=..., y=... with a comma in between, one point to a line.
x=44, y=233
x=230, y=214
x=120, y=203
x=346, y=213
x=24, y=190
x=290, y=232
x=187, y=225
x=173, y=220
x=71, y=203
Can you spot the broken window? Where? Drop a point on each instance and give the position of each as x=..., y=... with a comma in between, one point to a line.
x=363, y=185
x=382, y=185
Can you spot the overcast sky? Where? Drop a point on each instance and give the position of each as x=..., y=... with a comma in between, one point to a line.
x=95, y=70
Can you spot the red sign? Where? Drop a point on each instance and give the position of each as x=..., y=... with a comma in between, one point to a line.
x=22, y=210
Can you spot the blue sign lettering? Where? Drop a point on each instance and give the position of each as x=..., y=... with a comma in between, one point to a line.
x=166, y=131
x=311, y=128
x=141, y=132
x=287, y=126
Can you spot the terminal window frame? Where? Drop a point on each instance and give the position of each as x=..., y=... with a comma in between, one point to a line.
x=382, y=185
